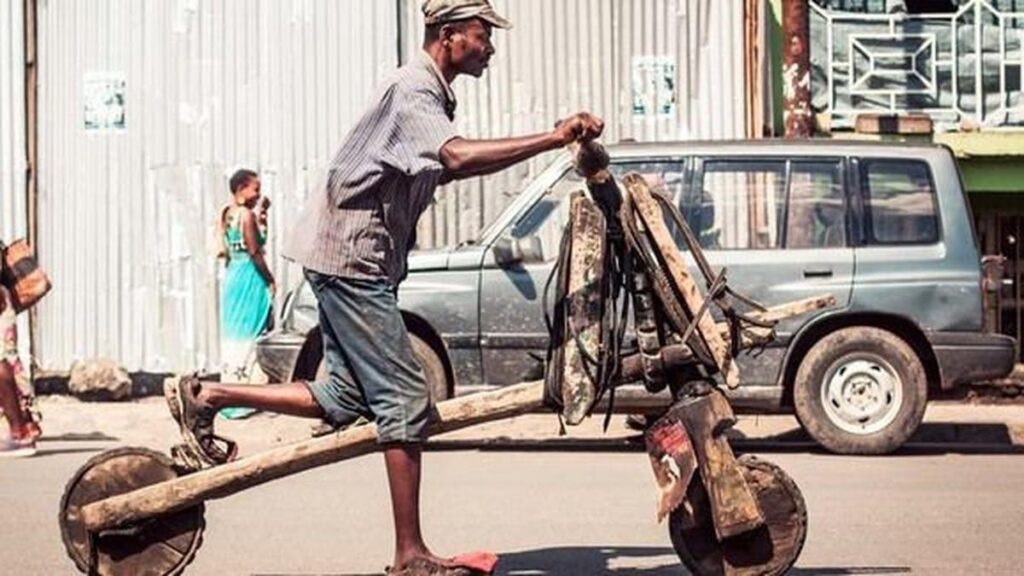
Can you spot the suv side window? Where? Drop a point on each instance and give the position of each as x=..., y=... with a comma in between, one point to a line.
x=900, y=202
x=740, y=205
x=547, y=218
x=816, y=211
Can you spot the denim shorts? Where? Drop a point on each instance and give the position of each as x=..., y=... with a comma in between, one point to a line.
x=371, y=369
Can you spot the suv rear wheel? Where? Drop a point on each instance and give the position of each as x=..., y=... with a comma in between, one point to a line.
x=430, y=361
x=860, y=390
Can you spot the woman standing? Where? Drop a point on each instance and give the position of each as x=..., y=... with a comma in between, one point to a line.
x=248, y=288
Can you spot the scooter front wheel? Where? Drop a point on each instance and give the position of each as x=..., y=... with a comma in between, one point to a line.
x=769, y=550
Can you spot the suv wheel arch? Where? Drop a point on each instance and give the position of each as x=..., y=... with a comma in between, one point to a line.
x=309, y=357
x=824, y=325
x=860, y=390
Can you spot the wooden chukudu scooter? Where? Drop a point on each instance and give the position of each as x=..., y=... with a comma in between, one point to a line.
x=135, y=511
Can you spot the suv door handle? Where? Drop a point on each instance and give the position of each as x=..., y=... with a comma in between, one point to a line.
x=817, y=272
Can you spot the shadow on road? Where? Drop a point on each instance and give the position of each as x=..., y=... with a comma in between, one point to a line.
x=865, y=570
x=930, y=439
x=44, y=452
x=79, y=437
x=576, y=560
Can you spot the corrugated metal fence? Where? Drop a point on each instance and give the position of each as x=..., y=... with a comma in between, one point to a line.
x=655, y=70
x=13, y=211
x=145, y=107
x=145, y=110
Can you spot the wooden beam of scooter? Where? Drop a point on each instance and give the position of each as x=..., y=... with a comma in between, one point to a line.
x=755, y=335
x=227, y=479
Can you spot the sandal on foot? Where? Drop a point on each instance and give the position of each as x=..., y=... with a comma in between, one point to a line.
x=196, y=422
x=186, y=460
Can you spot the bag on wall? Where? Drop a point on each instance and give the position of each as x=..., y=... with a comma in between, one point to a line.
x=22, y=276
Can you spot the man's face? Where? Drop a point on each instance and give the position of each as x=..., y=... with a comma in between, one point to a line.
x=469, y=46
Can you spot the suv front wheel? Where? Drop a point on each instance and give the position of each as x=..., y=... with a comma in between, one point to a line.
x=430, y=362
x=860, y=390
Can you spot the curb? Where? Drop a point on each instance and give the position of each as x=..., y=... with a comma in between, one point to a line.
x=144, y=385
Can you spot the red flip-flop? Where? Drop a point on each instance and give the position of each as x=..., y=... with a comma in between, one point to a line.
x=471, y=564
x=479, y=561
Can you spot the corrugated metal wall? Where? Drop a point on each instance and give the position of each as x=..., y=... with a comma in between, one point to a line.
x=567, y=55
x=126, y=215
x=13, y=210
x=12, y=122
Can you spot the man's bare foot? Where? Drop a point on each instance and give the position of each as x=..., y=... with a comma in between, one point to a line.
x=478, y=563
x=405, y=558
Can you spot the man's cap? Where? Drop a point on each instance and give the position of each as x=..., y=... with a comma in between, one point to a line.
x=444, y=11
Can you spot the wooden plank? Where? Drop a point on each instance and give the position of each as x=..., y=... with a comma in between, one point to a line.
x=794, y=308
x=221, y=481
x=733, y=506
x=756, y=335
x=653, y=220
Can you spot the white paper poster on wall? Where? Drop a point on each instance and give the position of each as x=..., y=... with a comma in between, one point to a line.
x=653, y=86
x=104, y=96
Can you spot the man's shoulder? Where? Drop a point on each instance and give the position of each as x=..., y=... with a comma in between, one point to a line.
x=412, y=78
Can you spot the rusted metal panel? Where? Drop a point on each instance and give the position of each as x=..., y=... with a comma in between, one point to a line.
x=796, y=70
x=584, y=299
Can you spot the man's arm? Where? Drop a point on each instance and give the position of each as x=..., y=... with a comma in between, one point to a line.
x=466, y=158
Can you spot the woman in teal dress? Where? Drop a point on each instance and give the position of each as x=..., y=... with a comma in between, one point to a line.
x=248, y=288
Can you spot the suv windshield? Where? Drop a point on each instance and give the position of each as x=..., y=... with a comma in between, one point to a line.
x=490, y=227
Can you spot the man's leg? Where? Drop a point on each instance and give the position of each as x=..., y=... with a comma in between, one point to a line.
x=403, y=465
x=362, y=320
x=293, y=398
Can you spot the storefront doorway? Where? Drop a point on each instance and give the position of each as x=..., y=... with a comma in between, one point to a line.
x=1001, y=233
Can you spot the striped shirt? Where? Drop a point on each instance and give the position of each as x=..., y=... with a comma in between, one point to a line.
x=362, y=222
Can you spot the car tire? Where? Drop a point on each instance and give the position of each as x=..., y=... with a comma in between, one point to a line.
x=860, y=390
x=433, y=368
x=430, y=362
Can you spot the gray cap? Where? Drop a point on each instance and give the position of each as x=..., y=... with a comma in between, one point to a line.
x=443, y=11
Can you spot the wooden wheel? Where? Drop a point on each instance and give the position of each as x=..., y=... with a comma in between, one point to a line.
x=769, y=550
x=155, y=547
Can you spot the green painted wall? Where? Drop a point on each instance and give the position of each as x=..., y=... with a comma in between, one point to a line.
x=995, y=174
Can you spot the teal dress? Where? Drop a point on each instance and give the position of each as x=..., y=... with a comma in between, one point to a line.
x=244, y=301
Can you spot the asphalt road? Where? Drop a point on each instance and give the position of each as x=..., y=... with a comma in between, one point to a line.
x=925, y=511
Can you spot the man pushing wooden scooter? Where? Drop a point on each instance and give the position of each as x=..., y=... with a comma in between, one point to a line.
x=134, y=510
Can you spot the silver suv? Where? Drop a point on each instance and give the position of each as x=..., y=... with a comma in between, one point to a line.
x=886, y=229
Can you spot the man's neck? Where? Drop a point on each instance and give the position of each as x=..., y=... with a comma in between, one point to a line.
x=437, y=54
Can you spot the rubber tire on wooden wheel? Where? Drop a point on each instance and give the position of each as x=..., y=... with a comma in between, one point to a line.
x=767, y=551
x=840, y=348
x=155, y=547
x=430, y=362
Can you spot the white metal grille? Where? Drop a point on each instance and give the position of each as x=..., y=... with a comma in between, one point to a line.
x=956, y=67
